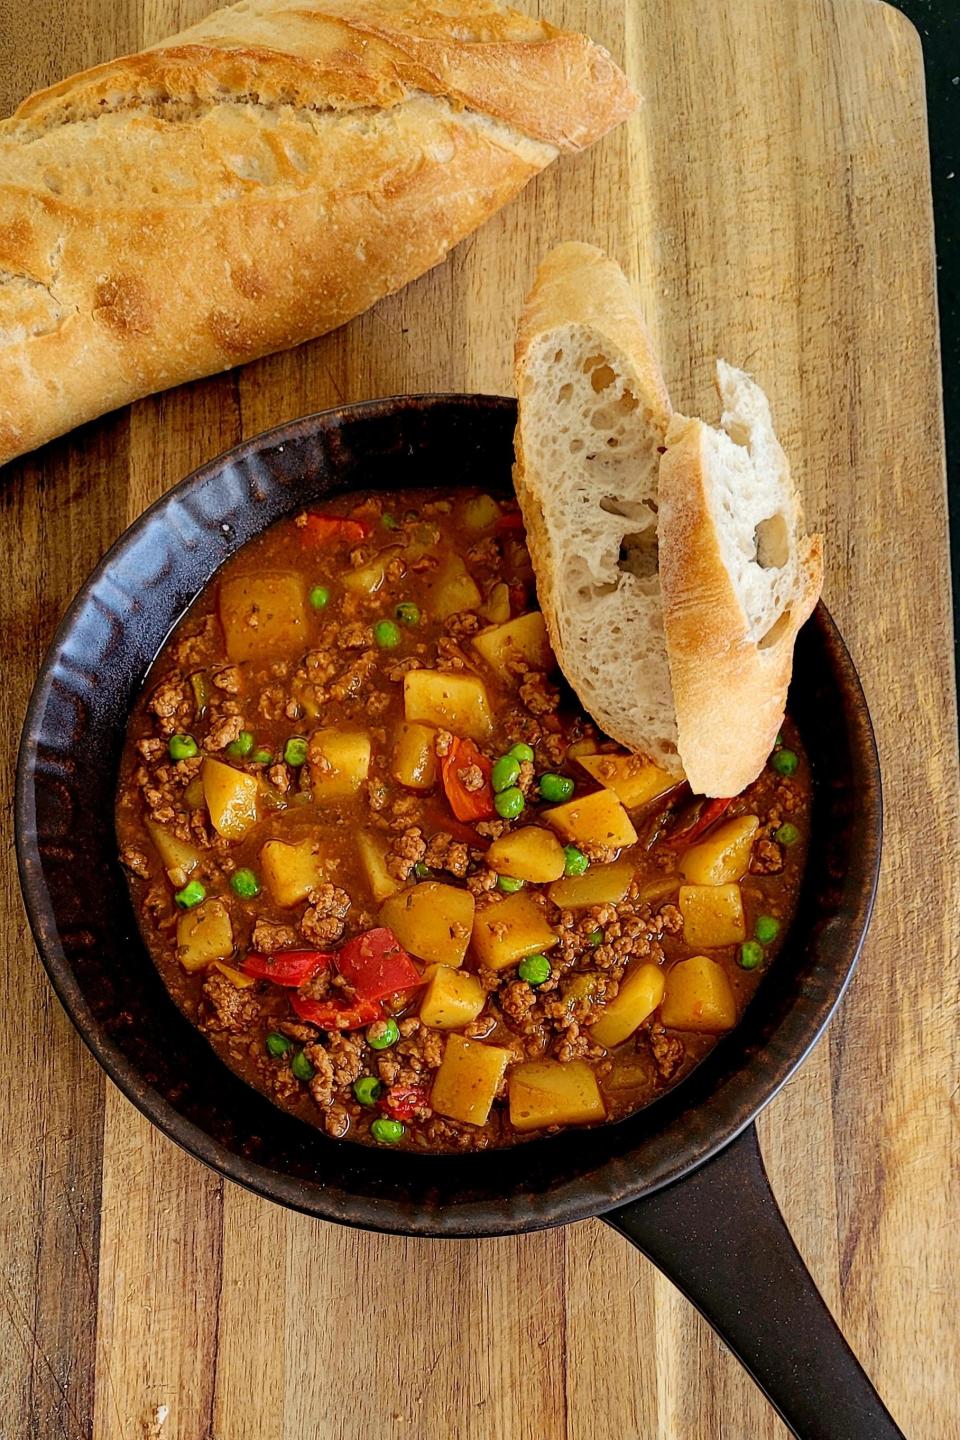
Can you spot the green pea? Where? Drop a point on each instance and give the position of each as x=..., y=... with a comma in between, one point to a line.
x=295, y=751
x=595, y=938
x=534, y=969
x=242, y=746
x=383, y=1033
x=787, y=834
x=509, y=885
x=389, y=522
x=779, y=739
x=505, y=772
x=785, y=762
x=367, y=1089
x=574, y=861
x=261, y=757
x=408, y=613
x=387, y=1132
x=422, y=871
x=183, y=747
x=278, y=1044
x=191, y=894
x=301, y=1066
x=555, y=788
x=750, y=955
x=386, y=634
x=319, y=597
x=766, y=929
x=244, y=883
x=522, y=752
x=509, y=803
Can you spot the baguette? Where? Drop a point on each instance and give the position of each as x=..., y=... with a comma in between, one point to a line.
x=593, y=417
x=671, y=560
x=259, y=179
x=738, y=577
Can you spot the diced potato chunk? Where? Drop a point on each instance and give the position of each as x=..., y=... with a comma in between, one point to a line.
x=698, y=997
x=524, y=638
x=597, y=819
x=178, y=856
x=632, y=779
x=530, y=853
x=554, y=1092
x=712, y=915
x=339, y=763
x=639, y=995
x=452, y=999
x=496, y=607
x=600, y=885
x=291, y=871
x=204, y=934
x=231, y=798
x=660, y=889
x=454, y=702
x=367, y=579
x=264, y=616
x=468, y=1079
x=504, y=932
x=373, y=859
x=432, y=921
x=453, y=589
x=480, y=512
x=723, y=856
x=414, y=756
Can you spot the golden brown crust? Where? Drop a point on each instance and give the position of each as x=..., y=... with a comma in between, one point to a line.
x=729, y=692
x=259, y=180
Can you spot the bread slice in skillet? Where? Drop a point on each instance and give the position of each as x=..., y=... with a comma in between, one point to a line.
x=738, y=576
x=593, y=417
x=671, y=560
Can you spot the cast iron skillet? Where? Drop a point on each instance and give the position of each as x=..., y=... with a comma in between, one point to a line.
x=683, y=1180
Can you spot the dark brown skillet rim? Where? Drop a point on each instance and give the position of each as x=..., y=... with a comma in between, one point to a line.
x=80, y=913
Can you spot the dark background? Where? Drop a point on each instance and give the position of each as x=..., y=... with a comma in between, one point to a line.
x=938, y=22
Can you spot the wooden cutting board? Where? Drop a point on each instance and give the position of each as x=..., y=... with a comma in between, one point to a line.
x=772, y=202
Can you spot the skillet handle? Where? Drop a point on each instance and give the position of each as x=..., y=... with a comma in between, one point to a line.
x=757, y=1293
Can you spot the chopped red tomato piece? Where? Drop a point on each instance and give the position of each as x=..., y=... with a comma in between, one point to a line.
x=709, y=815
x=509, y=523
x=467, y=804
x=336, y=1014
x=376, y=964
x=320, y=529
x=290, y=967
x=403, y=1102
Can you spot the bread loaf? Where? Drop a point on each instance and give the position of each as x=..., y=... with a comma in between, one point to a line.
x=260, y=179
x=671, y=560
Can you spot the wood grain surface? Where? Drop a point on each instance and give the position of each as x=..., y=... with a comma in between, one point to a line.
x=772, y=203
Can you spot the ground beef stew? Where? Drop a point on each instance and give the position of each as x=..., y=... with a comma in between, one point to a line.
x=392, y=871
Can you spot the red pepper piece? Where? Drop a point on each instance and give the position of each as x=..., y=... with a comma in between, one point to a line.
x=289, y=967
x=336, y=1014
x=509, y=523
x=403, y=1102
x=321, y=529
x=467, y=804
x=376, y=964
x=708, y=816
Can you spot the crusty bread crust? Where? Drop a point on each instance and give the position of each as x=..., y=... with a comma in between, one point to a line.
x=729, y=689
x=579, y=507
x=259, y=180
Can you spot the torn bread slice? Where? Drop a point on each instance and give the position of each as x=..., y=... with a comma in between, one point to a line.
x=738, y=576
x=593, y=417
